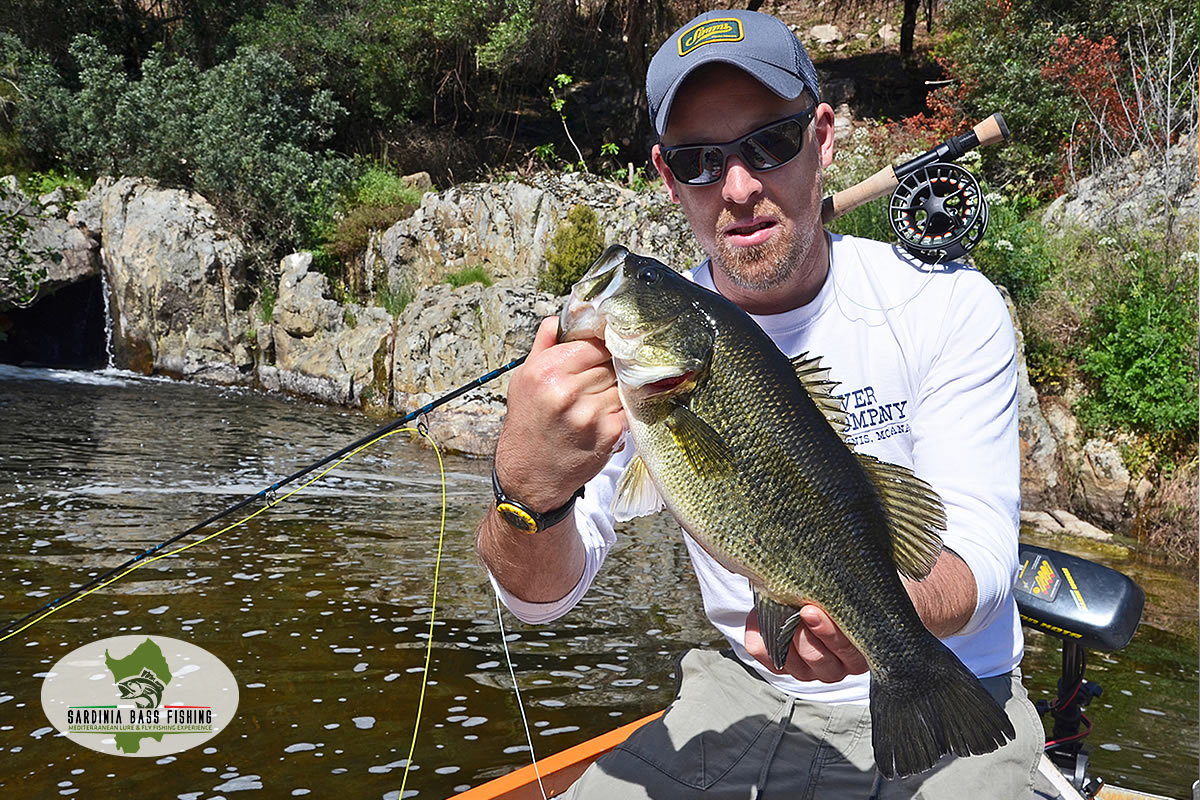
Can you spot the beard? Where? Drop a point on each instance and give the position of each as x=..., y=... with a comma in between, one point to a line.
x=767, y=265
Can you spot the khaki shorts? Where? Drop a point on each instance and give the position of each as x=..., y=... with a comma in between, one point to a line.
x=729, y=734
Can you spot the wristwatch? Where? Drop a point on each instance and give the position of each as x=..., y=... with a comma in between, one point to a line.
x=524, y=518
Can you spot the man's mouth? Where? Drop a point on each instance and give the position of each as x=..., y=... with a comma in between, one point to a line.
x=748, y=233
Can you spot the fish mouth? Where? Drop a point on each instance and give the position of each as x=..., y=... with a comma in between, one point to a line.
x=580, y=317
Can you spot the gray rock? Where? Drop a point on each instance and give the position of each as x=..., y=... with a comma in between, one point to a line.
x=1135, y=191
x=67, y=252
x=446, y=338
x=179, y=292
x=507, y=227
x=323, y=349
x=1105, y=483
x=825, y=34
x=1063, y=522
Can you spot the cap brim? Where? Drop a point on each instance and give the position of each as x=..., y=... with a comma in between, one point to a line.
x=779, y=81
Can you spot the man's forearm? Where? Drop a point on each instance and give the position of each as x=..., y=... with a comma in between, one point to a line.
x=538, y=568
x=946, y=599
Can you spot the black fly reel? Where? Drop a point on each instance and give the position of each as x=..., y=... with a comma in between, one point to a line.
x=938, y=212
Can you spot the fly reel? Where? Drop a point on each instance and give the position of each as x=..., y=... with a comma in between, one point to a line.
x=938, y=212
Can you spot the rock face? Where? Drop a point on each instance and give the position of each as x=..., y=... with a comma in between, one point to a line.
x=323, y=349
x=447, y=337
x=49, y=234
x=1134, y=191
x=507, y=227
x=179, y=294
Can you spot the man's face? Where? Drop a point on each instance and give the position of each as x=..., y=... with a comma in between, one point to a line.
x=758, y=228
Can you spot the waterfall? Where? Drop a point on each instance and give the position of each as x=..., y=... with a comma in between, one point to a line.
x=110, y=361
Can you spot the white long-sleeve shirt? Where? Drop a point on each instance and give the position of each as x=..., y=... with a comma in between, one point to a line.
x=925, y=358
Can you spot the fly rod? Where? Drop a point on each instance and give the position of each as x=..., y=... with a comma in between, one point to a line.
x=262, y=494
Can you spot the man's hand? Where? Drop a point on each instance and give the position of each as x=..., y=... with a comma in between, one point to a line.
x=819, y=651
x=564, y=418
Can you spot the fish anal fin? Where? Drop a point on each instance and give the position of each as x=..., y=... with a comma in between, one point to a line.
x=706, y=451
x=914, y=512
x=777, y=624
x=815, y=380
x=635, y=494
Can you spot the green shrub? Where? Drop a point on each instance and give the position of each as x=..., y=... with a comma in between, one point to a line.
x=1140, y=358
x=462, y=277
x=247, y=134
x=576, y=244
x=393, y=300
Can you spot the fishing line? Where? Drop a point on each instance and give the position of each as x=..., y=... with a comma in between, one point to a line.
x=144, y=559
x=437, y=568
x=148, y=556
x=520, y=705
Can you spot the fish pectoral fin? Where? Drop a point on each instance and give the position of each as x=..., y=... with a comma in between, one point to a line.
x=635, y=494
x=914, y=512
x=777, y=623
x=707, y=453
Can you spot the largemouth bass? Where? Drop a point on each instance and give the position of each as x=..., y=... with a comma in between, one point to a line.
x=744, y=447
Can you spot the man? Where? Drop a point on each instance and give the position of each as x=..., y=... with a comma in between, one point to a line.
x=925, y=358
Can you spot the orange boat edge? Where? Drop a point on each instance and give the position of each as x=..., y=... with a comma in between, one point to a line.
x=561, y=770
x=557, y=772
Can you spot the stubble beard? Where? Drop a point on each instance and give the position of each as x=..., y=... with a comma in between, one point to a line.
x=768, y=265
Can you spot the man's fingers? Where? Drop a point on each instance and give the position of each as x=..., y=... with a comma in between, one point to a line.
x=819, y=651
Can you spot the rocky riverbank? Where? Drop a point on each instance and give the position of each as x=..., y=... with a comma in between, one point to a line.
x=181, y=303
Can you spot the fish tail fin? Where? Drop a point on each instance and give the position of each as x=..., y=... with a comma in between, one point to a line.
x=943, y=709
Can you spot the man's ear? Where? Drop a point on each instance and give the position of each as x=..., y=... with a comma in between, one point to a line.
x=665, y=172
x=823, y=132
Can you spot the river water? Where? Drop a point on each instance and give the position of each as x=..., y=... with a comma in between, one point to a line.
x=321, y=607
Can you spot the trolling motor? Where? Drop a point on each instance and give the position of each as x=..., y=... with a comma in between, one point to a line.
x=1086, y=605
x=937, y=210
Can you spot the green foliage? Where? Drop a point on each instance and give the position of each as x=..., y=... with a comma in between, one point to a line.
x=1141, y=355
x=268, y=293
x=1014, y=252
x=247, y=133
x=576, y=244
x=393, y=300
x=473, y=274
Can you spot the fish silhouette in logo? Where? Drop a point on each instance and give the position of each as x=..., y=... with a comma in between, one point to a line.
x=145, y=689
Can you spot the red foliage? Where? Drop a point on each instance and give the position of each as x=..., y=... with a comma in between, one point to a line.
x=1089, y=70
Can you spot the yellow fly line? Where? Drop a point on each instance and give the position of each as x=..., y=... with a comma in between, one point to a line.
x=271, y=504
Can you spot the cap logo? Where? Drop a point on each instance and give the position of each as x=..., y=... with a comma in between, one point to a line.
x=709, y=31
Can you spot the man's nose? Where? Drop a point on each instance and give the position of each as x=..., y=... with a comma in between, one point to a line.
x=741, y=183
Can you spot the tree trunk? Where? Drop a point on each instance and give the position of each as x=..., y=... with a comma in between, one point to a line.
x=908, y=26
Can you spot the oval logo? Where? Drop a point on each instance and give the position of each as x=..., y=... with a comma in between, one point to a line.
x=146, y=696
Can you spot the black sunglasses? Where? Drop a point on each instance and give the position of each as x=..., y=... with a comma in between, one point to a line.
x=766, y=148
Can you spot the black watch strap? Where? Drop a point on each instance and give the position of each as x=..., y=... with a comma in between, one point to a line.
x=524, y=518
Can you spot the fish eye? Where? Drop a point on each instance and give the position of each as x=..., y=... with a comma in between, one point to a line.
x=649, y=275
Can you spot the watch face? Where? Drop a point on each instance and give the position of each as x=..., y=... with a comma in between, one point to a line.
x=517, y=517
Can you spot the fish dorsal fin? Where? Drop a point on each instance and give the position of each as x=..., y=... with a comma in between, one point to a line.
x=815, y=380
x=705, y=449
x=914, y=512
x=777, y=624
x=635, y=494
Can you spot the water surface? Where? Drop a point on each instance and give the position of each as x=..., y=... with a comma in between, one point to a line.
x=321, y=606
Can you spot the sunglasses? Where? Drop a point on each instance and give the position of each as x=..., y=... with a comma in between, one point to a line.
x=767, y=148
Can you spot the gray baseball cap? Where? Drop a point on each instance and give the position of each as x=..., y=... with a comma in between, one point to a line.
x=759, y=44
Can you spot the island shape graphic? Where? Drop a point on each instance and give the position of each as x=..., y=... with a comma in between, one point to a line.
x=146, y=656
